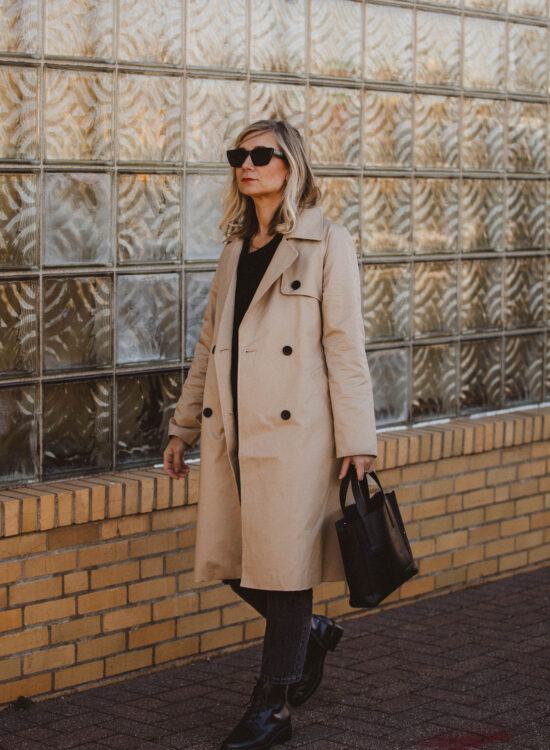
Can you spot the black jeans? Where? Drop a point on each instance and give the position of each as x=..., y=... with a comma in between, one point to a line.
x=288, y=625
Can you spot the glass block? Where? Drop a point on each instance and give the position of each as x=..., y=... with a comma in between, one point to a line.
x=524, y=292
x=480, y=375
x=18, y=113
x=484, y=53
x=437, y=48
x=340, y=202
x=434, y=381
x=334, y=125
x=197, y=289
x=78, y=115
x=436, y=131
x=19, y=26
x=435, y=215
x=148, y=320
x=335, y=43
x=18, y=327
x=386, y=301
x=527, y=7
x=151, y=31
x=149, y=117
x=389, y=43
x=77, y=29
x=481, y=295
x=387, y=219
x=498, y=6
x=77, y=323
x=18, y=220
x=483, y=134
x=216, y=114
x=77, y=218
x=482, y=215
x=18, y=433
x=271, y=101
x=527, y=58
x=526, y=136
x=278, y=35
x=149, y=224
x=145, y=403
x=388, y=136
x=216, y=33
x=435, y=302
x=204, y=199
x=389, y=371
x=523, y=368
x=526, y=214
x=77, y=426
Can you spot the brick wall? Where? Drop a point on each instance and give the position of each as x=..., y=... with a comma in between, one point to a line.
x=96, y=573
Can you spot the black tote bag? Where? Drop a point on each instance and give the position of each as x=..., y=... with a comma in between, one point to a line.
x=375, y=550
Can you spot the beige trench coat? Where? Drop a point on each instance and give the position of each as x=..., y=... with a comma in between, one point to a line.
x=299, y=412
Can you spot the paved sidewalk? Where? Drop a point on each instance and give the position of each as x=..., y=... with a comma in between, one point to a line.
x=466, y=670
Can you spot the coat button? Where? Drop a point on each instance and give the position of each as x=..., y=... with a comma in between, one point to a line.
x=287, y=350
x=285, y=414
x=207, y=412
x=213, y=348
x=296, y=284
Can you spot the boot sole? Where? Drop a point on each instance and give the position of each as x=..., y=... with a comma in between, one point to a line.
x=283, y=735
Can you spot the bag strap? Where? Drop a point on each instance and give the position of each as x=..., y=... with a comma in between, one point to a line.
x=361, y=492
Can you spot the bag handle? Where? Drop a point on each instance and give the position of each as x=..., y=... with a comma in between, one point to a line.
x=361, y=493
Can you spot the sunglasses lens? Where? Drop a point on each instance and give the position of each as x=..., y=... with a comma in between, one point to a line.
x=236, y=156
x=261, y=155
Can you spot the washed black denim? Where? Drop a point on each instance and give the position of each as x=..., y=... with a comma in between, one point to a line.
x=288, y=625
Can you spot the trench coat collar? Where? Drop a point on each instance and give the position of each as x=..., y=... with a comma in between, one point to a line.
x=309, y=225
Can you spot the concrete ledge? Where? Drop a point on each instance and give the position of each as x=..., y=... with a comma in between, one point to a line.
x=96, y=572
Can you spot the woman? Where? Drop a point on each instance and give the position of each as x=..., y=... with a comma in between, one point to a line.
x=279, y=392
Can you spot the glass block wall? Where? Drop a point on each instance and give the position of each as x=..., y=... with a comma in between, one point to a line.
x=427, y=124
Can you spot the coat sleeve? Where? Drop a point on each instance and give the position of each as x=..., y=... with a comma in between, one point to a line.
x=344, y=347
x=187, y=419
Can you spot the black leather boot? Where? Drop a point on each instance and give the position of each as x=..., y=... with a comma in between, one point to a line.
x=325, y=636
x=266, y=721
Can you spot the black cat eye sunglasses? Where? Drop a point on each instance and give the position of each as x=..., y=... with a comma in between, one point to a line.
x=261, y=155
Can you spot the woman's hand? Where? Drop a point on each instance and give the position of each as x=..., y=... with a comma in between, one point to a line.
x=363, y=464
x=174, y=454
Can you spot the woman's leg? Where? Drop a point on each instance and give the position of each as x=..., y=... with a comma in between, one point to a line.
x=257, y=598
x=288, y=626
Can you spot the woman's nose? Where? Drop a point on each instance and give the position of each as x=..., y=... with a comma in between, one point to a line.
x=248, y=162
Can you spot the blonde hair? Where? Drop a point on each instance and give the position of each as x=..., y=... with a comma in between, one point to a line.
x=299, y=191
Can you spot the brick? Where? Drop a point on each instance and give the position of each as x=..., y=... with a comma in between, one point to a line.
x=409, y=494
x=502, y=493
x=151, y=634
x=114, y=499
x=176, y=650
x=10, y=572
x=238, y=613
x=11, y=619
x=48, y=659
x=186, y=581
x=65, y=505
x=74, y=536
x=438, y=488
x=540, y=520
x=173, y=517
x=152, y=567
x=390, y=452
x=46, y=510
x=529, y=540
x=468, y=555
x=100, y=600
x=29, y=687
x=468, y=518
x=478, y=497
x=499, y=547
x=540, y=450
x=512, y=562
x=82, y=507
x=28, y=640
x=82, y=627
x=416, y=587
x=181, y=560
x=499, y=511
x=128, y=662
x=485, y=460
x=452, y=541
x=514, y=526
x=221, y=637
x=195, y=624
x=423, y=547
x=470, y=481
x=485, y=533
x=45, y=565
x=532, y=469
x=103, y=554
x=153, y=545
x=12, y=517
x=111, y=575
x=131, y=526
x=97, y=648
x=175, y=607
x=126, y=618
x=539, y=554
x=502, y=475
x=153, y=588
x=420, y=473
x=21, y=593
x=482, y=570
x=454, y=503
x=11, y=670
x=256, y=628
x=217, y=597
x=450, y=578
x=331, y=590
x=524, y=488
x=403, y=450
x=75, y=582
x=179, y=489
x=429, y=509
x=451, y=467
x=436, y=526
x=79, y=675
x=57, y=609
x=529, y=505
x=435, y=563
x=162, y=494
x=187, y=538
x=29, y=516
